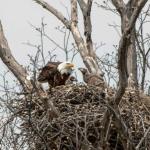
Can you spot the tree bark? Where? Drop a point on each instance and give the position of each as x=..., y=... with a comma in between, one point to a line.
x=129, y=13
x=131, y=48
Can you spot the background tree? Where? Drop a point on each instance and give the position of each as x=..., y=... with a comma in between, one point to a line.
x=143, y=48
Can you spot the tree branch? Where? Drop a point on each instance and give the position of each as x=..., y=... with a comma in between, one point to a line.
x=121, y=126
x=132, y=3
x=55, y=12
x=120, y=5
x=82, y=5
x=86, y=11
x=6, y=56
x=143, y=138
x=90, y=59
x=136, y=12
x=74, y=14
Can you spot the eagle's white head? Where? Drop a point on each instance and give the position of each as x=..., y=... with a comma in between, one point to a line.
x=65, y=68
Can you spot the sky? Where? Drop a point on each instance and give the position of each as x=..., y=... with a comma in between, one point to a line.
x=18, y=15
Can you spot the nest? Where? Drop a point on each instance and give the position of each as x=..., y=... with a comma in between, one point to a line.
x=79, y=124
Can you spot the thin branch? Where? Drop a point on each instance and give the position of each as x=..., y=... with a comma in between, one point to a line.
x=55, y=12
x=143, y=138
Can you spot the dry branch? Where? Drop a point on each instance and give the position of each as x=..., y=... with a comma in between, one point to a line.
x=54, y=11
x=6, y=56
x=120, y=5
x=74, y=13
x=143, y=138
x=86, y=11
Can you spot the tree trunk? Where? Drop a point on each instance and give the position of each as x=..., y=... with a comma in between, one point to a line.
x=132, y=59
x=131, y=47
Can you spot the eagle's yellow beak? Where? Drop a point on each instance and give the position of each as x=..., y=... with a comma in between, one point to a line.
x=70, y=65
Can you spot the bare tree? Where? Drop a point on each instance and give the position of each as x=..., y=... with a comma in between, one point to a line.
x=125, y=11
x=128, y=29
x=127, y=59
x=39, y=111
x=143, y=47
x=129, y=13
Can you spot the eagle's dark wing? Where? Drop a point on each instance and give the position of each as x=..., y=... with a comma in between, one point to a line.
x=53, y=64
x=47, y=72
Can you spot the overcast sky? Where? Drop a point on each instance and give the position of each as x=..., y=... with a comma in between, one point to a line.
x=16, y=16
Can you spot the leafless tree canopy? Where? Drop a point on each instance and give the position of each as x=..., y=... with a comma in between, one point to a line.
x=76, y=116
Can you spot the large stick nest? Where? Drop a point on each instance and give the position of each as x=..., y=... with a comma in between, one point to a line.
x=79, y=124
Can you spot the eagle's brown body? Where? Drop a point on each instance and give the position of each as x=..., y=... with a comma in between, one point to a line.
x=50, y=74
x=91, y=79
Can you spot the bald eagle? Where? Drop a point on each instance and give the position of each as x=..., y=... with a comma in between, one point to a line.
x=56, y=73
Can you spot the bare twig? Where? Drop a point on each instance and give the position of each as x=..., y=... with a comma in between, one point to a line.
x=142, y=139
